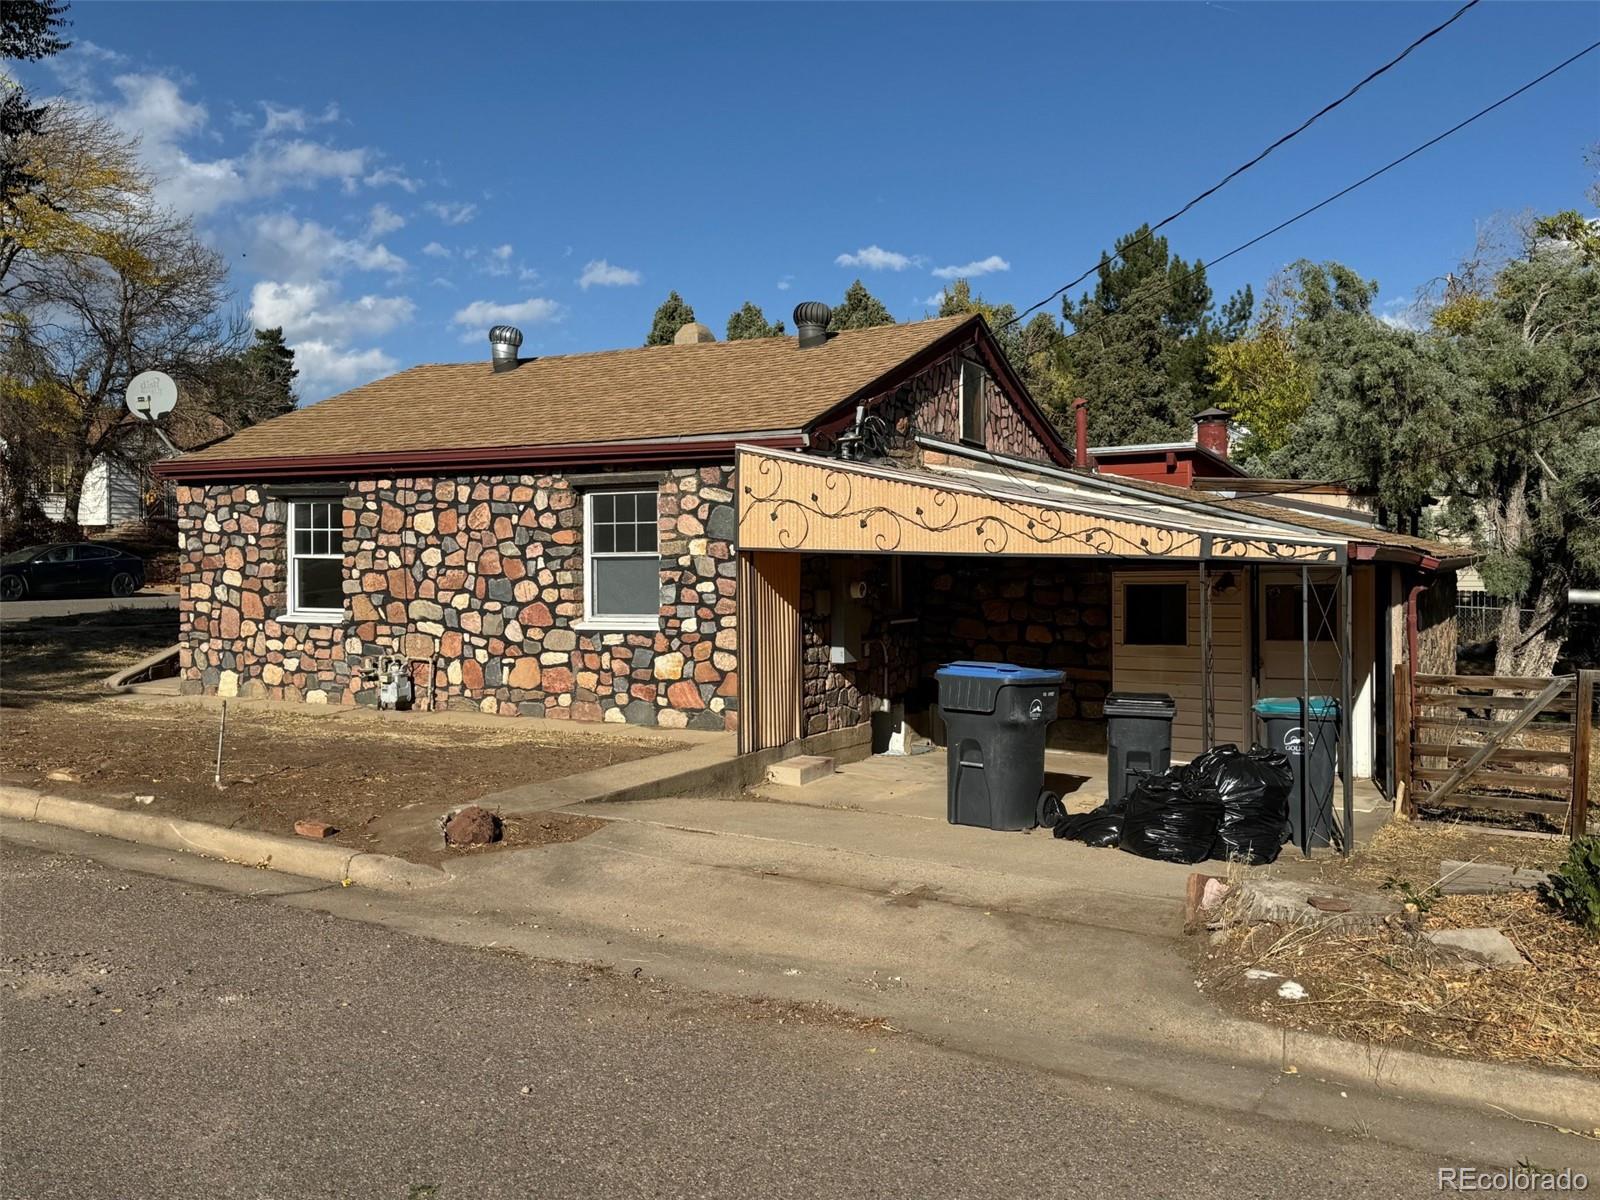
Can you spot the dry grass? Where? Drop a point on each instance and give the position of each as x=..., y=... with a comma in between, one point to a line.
x=1389, y=986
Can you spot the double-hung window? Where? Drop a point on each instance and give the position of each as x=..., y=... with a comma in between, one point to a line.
x=621, y=561
x=316, y=559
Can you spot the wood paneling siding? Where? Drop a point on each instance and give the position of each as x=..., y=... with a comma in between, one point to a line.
x=1176, y=670
x=795, y=503
x=769, y=627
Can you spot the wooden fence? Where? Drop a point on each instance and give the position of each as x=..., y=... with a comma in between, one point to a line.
x=1497, y=744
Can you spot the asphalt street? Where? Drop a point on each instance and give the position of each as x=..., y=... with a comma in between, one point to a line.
x=161, y=1039
x=69, y=606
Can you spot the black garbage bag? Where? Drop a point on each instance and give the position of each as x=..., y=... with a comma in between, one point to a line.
x=1172, y=818
x=1253, y=788
x=1102, y=827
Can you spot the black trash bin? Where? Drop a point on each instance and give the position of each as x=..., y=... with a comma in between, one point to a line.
x=995, y=717
x=1312, y=745
x=1138, y=740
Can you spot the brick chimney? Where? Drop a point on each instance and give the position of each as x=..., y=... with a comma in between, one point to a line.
x=1211, y=430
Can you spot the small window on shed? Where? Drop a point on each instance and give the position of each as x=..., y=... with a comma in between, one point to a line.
x=974, y=406
x=1155, y=614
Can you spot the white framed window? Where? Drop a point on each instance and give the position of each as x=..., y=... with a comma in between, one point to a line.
x=974, y=409
x=621, y=560
x=316, y=559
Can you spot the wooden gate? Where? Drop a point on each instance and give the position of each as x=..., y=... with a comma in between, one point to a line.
x=1497, y=744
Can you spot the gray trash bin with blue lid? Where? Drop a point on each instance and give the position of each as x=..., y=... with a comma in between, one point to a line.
x=995, y=717
x=1138, y=740
x=1311, y=740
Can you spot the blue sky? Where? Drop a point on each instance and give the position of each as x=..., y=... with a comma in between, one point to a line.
x=387, y=180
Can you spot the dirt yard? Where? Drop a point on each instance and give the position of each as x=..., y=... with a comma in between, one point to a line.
x=346, y=769
x=1389, y=986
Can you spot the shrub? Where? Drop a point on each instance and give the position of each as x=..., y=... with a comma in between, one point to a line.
x=1574, y=889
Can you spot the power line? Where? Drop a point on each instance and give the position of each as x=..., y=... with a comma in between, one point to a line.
x=1243, y=167
x=1159, y=282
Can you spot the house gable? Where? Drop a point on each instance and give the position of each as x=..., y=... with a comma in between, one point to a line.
x=923, y=398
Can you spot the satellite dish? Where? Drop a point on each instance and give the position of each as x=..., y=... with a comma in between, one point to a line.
x=151, y=395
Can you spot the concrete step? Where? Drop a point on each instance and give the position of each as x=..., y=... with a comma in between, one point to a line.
x=800, y=770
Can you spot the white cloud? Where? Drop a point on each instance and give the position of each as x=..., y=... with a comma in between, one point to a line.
x=452, y=213
x=786, y=283
x=497, y=259
x=971, y=270
x=313, y=311
x=527, y=275
x=295, y=120
x=481, y=314
x=876, y=258
x=435, y=250
x=300, y=250
x=153, y=108
x=326, y=368
x=382, y=220
x=77, y=65
x=320, y=326
x=933, y=301
x=391, y=177
x=599, y=273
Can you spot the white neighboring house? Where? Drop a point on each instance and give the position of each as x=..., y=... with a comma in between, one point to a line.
x=112, y=493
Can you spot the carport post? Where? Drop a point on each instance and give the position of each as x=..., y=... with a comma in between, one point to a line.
x=1305, y=707
x=1346, y=755
x=1207, y=723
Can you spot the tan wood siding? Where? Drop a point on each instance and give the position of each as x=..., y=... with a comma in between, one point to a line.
x=769, y=634
x=1176, y=670
x=790, y=502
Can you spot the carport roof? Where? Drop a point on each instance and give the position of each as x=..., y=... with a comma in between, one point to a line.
x=800, y=502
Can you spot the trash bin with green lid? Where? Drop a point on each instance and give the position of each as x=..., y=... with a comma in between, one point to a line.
x=1310, y=737
x=995, y=718
x=1138, y=740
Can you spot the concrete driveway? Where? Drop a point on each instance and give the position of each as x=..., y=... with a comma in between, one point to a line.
x=71, y=606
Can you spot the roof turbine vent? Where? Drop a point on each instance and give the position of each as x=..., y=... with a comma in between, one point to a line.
x=503, y=343
x=811, y=322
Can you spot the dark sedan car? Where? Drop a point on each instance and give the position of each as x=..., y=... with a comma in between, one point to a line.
x=81, y=568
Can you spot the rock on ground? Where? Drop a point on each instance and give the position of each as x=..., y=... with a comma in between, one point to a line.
x=472, y=826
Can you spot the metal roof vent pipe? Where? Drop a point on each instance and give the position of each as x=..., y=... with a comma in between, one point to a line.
x=811, y=322
x=503, y=343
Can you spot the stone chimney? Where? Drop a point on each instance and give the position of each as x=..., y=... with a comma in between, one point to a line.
x=1211, y=430
x=692, y=334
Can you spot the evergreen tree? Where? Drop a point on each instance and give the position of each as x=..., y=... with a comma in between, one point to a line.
x=751, y=322
x=672, y=316
x=1140, y=341
x=29, y=32
x=260, y=382
x=1495, y=411
x=860, y=310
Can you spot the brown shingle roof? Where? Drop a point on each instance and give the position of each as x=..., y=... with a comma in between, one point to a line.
x=704, y=389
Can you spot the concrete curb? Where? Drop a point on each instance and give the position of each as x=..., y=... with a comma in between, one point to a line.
x=296, y=856
x=1535, y=1093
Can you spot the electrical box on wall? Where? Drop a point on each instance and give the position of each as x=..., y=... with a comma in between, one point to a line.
x=850, y=614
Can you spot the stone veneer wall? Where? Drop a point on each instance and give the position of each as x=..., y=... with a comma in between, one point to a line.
x=930, y=405
x=1043, y=614
x=481, y=575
